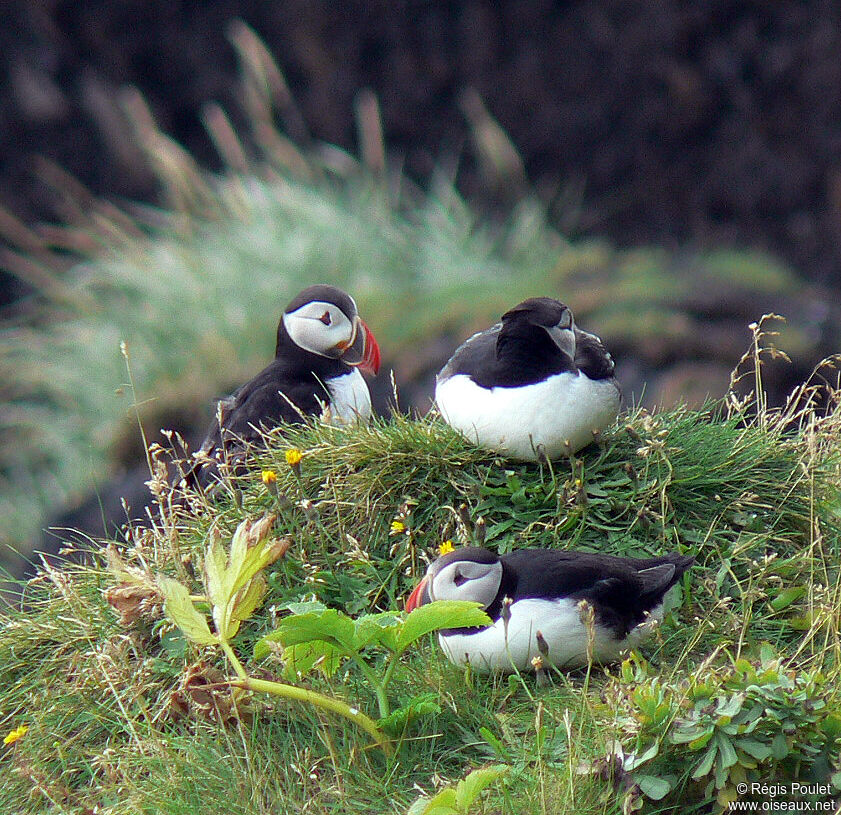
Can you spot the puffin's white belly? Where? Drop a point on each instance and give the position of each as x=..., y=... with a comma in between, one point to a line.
x=350, y=399
x=567, y=407
x=560, y=623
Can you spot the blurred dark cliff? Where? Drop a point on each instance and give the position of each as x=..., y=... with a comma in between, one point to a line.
x=651, y=122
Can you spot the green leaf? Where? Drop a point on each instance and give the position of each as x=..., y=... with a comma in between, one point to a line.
x=215, y=565
x=307, y=656
x=306, y=607
x=469, y=789
x=685, y=734
x=632, y=761
x=495, y=743
x=444, y=803
x=423, y=705
x=730, y=707
x=440, y=614
x=330, y=625
x=180, y=609
x=244, y=604
x=704, y=766
x=779, y=747
x=653, y=787
x=701, y=741
x=727, y=751
x=373, y=629
x=754, y=748
x=787, y=596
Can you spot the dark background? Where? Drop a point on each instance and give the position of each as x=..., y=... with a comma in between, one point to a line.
x=660, y=121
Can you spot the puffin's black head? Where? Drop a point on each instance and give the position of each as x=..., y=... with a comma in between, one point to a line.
x=544, y=314
x=471, y=573
x=323, y=320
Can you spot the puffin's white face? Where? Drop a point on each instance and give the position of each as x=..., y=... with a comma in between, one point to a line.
x=466, y=580
x=321, y=328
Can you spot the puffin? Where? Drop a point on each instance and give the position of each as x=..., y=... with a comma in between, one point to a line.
x=322, y=346
x=543, y=590
x=532, y=385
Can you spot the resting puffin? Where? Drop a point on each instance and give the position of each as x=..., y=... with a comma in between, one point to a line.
x=545, y=587
x=322, y=345
x=533, y=381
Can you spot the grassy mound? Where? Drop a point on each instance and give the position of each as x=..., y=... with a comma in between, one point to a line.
x=739, y=683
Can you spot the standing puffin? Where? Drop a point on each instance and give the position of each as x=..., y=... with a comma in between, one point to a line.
x=322, y=345
x=533, y=382
x=546, y=587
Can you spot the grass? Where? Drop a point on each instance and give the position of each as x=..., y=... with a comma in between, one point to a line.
x=757, y=501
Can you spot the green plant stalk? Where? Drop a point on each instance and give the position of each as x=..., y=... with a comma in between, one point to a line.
x=232, y=657
x=318, y=700
x=379, y=687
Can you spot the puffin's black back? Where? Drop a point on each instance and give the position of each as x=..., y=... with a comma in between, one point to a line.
x=510, y=354
x=620, y=596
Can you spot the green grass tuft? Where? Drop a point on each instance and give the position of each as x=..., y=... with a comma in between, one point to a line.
x=756, y=501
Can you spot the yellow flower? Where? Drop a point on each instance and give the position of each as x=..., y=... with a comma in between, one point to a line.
x=293, y=456
x=17, y=733
x=269, y=477
x=446, y=547
x=397, y=527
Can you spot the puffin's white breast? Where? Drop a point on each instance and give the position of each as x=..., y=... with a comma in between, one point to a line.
x=564, y=407
x=350, y=399
x=561, y=625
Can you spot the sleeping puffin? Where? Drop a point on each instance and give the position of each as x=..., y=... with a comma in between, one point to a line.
x=545, y=588
x=532, y=383
x=322, y=345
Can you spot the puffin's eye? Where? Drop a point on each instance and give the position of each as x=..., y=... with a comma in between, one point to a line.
x=459, y=579
x=325, y=318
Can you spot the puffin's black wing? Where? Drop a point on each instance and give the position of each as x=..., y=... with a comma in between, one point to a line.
x=475, y=357
x=591, y=357
x=621, y=590
x=276, y=396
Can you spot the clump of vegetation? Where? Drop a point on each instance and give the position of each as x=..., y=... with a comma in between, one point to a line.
x=725, y=728
x=125, y=687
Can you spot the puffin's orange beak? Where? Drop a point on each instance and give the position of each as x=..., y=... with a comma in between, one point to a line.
x=418, y=597
x=362, y=352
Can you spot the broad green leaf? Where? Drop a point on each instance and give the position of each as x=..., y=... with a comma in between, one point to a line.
x=787, y=596
x=257, y=557
x=685, y=734
x=754, y=748
x=329, y=625
x=423, y=705
x=308, y=656
x=727, y=751
x=438, y=615
x=653, y=787
x=306, y=607
x=373, y=628
x=704, y=766
x=469, y=789
x=180, y=609
x=444, y=803
x=779, y=747
x=244, y=604
x=701, y=741
x=731, y=706
x=215, y=566
x=633, y=761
